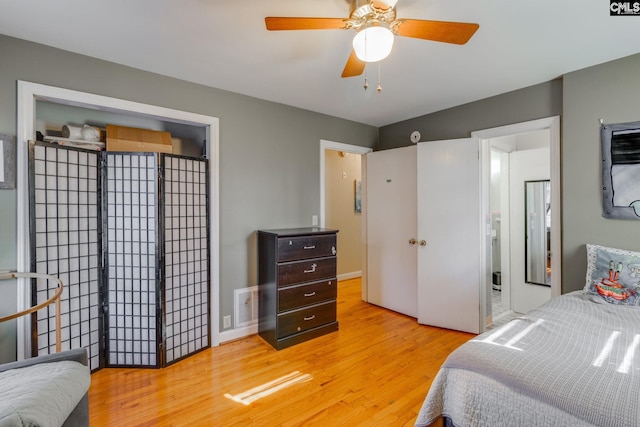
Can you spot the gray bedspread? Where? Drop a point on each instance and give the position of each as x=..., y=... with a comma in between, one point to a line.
x=574, y=361
x=42, y=395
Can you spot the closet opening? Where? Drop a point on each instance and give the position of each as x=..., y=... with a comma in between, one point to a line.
x=40, y=105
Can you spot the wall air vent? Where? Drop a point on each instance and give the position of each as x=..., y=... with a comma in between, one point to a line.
x=246, y=307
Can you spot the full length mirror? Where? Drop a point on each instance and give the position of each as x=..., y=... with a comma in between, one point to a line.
x=537, y=232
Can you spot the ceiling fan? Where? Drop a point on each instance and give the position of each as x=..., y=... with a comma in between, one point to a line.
x=376, y=25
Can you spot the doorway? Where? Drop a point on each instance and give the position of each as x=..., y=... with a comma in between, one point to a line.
x=509, y=155
x=341, y=170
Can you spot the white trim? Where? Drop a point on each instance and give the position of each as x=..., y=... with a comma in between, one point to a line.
x=556, y=202
x=236, y=334
x=351, y=275
x=25, y=132
x=364, y=236
x=28, y=93
x=356, y=149
x=553, y=125
x=519, y=128
x=505, y=227
x=484, y=181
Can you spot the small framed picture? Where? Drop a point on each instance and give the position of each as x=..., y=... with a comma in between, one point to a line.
x=358, y=196
x=7, y=162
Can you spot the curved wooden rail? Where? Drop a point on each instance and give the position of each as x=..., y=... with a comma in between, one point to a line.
x=55, y=297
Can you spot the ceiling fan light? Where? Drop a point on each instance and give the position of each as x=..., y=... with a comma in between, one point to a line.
x=373, y=44
x=389, y=3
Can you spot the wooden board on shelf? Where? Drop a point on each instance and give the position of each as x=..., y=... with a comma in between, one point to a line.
x=122, y=138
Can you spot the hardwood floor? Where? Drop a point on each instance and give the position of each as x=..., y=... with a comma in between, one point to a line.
x=375, y=371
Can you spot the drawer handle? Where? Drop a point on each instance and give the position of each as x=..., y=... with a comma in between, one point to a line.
x=310, y=247
x=313, y=268
x=309, y=318
x=310, y=294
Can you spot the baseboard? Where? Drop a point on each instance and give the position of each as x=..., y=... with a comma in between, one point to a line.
x=236, y=334
x=352, y=275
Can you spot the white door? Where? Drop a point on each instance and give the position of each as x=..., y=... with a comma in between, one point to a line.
x=526, y=165
x=391, y=223
x=449, y=267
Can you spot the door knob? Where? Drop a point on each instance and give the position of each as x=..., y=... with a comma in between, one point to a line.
x=423, y=243
x=412, y=241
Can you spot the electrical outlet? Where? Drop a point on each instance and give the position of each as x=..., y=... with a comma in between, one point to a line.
x=314, y=219
x=226, y=322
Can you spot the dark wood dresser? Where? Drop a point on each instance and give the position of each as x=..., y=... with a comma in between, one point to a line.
x=297, y=284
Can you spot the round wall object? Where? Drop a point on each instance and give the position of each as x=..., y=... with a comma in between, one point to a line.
x=415, y=136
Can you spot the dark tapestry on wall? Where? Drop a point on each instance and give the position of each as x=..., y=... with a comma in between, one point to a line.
x=620, y=145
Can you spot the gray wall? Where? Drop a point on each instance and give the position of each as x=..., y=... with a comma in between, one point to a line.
x=269, y=154
x=610, y=92
x=534, y=102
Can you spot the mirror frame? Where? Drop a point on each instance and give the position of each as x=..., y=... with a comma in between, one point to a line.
x=527, y=252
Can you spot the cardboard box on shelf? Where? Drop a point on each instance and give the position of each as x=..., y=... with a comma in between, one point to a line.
x=122, y=138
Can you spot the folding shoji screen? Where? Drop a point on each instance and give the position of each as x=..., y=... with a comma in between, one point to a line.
x=132, y=297
x=186, y=257
x=65, y=241
x=145, y=241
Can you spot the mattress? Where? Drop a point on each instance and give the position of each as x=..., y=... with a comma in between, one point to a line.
x=574, y=361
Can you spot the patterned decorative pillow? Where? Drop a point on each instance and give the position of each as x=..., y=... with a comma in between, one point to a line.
x=613, y=274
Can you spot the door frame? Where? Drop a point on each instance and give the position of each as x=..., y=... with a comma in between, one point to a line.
x=552, y=124
x=28, y=94
x=355, y=149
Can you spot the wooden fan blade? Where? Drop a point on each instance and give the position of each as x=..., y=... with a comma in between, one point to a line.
x=275, y=23
x=354, y=66
x=440, y=31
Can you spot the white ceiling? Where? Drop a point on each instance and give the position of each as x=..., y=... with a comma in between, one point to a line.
x=224, y=44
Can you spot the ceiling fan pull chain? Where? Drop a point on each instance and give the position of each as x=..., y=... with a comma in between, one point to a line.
x=379, y=89
x=366, y=83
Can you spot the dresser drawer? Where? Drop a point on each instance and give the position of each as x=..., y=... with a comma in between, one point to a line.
x=297, y=283
x=301, y=320
x=303, y=295
x=305, y=247
x=310, y=270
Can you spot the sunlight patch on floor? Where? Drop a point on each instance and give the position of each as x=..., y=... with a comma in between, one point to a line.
x=250, y=396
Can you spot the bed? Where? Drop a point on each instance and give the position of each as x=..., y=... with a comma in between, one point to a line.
x=575, y=361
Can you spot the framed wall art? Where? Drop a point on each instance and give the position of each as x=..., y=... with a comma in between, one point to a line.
x=7, y=162
x=358, y=196
x=620, y=145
